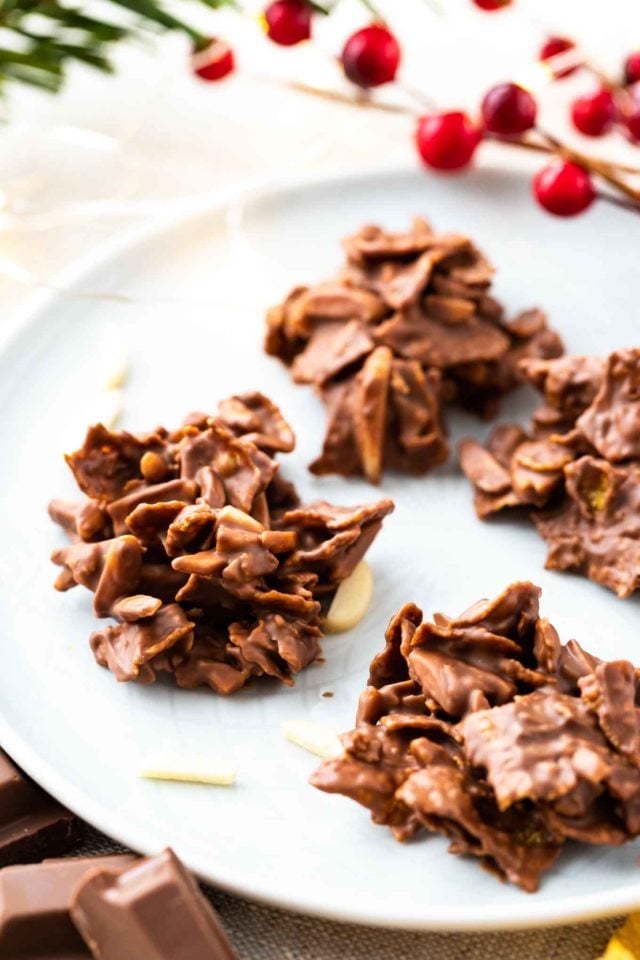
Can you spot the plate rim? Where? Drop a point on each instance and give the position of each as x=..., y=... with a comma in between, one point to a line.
x=453, y=918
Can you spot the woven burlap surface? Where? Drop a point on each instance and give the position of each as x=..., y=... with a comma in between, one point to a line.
x=262, y=933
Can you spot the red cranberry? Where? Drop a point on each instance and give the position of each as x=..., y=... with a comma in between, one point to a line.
x=552, y=47
x=447, y=141
x=288, y=21
x=630, y=117
x=593, y=113
x=371, y=56
x=491, y=5
x=508, y=110
x=563, y=188
x=213, y=62
x=632, y=67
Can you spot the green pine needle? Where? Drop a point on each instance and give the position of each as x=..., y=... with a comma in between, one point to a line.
x=39, y=39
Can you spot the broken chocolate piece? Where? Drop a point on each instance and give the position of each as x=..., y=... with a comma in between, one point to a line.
x=154, y=910
x=32, y=824
x=35, y=907
x=485, y=728
x=408, y=326
x=216, y=574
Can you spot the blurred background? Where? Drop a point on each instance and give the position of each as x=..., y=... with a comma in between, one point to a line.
x=111, y=152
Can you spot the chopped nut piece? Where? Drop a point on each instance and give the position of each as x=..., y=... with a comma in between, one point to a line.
x=187, y=770
x=110, y=406
x=113, y=357
x=371, y=398
x=313, y=737
x=118, y=375
x=351, y=600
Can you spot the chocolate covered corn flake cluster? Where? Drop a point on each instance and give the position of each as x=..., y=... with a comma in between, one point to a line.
x=489, y=730
x=200, y=550
x=408, y=326
x=577, y=469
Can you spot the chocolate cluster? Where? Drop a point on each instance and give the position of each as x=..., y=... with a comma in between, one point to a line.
x=485, y=728
x=408, y=325
x=577, y=469
x=201, y=551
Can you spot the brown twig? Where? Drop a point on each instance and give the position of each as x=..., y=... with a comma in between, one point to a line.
x=603, y=171
x=599, y=164
x=600, y=167
x=373, y=10
x=524, y=144
x=420, y=97
x=363, y=101
x=619, y=202
x=594, y=164
x=571, y=59
x=547, y=143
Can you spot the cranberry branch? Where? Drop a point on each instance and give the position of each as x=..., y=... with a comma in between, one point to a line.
x=447, y=141
x=42, y=37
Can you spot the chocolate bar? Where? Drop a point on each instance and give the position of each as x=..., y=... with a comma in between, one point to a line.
x=35, y=902
x=152, y=911
x=32, y=824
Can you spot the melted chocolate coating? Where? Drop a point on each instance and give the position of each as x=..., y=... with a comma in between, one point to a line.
x=407, y=327
x=201, y=552
x=578, y=471
x=487, y=729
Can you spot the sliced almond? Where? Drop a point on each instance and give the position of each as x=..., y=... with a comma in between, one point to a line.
x=351, y=600
x=188, y=770
x=313, y=737
x=114, y=361
x=370, y=412
x=108, y=408
x=449, y=309
x=118, y=375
